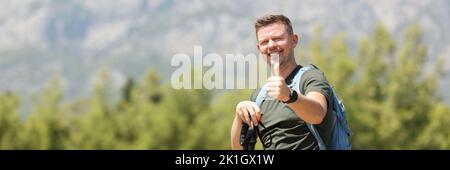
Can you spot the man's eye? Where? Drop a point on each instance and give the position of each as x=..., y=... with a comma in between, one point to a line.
x=277, y=39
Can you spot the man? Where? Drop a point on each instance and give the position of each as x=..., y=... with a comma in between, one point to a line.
x=284, y=118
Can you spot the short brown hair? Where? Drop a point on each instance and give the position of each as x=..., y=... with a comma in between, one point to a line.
x=269, y=19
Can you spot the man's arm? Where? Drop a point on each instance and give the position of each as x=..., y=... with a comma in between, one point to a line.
x=311, y=108
x=235, y=133
x=246, y=111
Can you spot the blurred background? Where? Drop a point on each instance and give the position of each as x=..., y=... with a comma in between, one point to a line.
x=96, y=74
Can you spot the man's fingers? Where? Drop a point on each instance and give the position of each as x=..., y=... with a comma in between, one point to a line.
x=275, y=63
x=240, y=114
x=273, y=90
x=252, y=115
x=256, y=108
x=246, y=116
x=275, y=79
x=276, y=69
x=249, y=113
x=243, y=115
x=257, y=114
x=273, y=94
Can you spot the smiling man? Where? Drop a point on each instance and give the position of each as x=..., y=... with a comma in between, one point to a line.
x=285, y=118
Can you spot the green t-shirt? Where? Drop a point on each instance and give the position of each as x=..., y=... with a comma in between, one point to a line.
x=284, y=129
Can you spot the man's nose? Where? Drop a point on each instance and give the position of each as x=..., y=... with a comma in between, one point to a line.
x=271, y=46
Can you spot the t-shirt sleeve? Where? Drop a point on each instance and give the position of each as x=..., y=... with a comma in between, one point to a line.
x=314, y=80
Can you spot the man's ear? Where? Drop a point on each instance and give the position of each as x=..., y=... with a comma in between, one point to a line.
x=295, y=39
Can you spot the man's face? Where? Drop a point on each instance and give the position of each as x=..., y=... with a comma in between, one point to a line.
x=275, y=39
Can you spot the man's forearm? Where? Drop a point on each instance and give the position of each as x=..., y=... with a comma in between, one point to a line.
x=308, y=109
x=235, y=134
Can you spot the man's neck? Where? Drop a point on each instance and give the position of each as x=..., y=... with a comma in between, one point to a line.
x=287, y=69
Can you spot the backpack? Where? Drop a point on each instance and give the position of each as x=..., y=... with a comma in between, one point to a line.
x=340, y=133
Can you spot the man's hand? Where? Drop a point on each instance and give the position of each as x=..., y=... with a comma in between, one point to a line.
x=248, y=112
x=277, y=88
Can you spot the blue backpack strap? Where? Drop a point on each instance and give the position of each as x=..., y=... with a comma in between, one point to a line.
x=261, y=96
x=317, y=136
x=296, y=86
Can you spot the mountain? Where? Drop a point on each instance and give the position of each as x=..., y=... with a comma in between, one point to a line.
x=75, y=39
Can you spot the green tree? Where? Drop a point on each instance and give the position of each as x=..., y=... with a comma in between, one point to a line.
x=10, y=123
x=45, y=128
x=391, y=100
x=94, y=129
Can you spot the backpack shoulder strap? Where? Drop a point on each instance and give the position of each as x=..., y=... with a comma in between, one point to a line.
x=261, y=96
x=297, y=78
x=296, y=86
